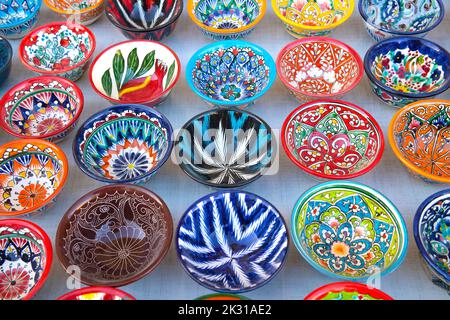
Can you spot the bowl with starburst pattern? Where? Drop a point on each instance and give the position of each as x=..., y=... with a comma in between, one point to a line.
x=97, y=293
x=84, y=12
x=18, y=17
x=347, y=291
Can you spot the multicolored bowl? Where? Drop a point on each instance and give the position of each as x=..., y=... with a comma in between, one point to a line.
x=125, y=144
x=78, y=11
x=347, y=291
x=151, y=20
x=348, y=230
x=232, y=241
x=135, y=71
x=332, y=139
x=97, y=293
x=32, y=173
x=319, y=67
x=226, y=19
x=43, y=107
x=403, y=70
x=58, y=49
x=386, y=19
x=6, y=54
x=222, y=296
x=419, y=136
x=25, y=259
x=18, y=17
x=307, y=18
x=230, y=73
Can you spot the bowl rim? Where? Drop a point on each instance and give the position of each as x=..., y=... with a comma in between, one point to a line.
x=317, y=28
x=65, y=174
x=8, y=94
x=191, y=8
x=403, y=33
x=218, y=295
x=214, y=195
x=126, y=42
x=23, y=20
x=425, y=43
x=71, y=295
x=141, y=108
x=50, y=5
x=34, y=228
x=362, y=112
x=399, y=221
x=341, y=44
x=10, y=53
x=347, y=286
x=225, y=44
x=21, y=49
x=395, y=148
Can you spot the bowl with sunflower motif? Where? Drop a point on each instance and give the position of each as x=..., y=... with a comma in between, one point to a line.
x=135, y=71
x=18, y=17
x=58, y=49
x=125, y=143
x=83, y=12
x=44, y=107
x=97, y=293
x=222, y=296
x=348, y=231
x=403, y=70
x=347, y=291
x=419, y=137
x=230, y=73
x=115, y=235
x=386, y=19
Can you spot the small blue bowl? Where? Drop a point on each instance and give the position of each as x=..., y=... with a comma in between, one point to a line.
x=403, y=70
x=232, y=241
x=231, y=73
x=18, y=17
x=6, y=54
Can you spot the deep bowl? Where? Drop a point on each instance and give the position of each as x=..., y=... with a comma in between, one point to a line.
x=419, y=136
x=225, y=148
x=18, y=17
x=222, y=19
x=232, y=241
x=332, y=139
x=43, y=107
x=222, y=296
x=32, y=174
x=115, y=234
x=79, y=11
x=6, y=54
x=230, y=73
x=58, y=49
x=135, y=71
x=386, y=19
x=403, y=70
x=319, y=67
x=151, y=20
x=96, y=293
x=125, y=144
x=349, y=231
x=347, y=291
x=307, y=18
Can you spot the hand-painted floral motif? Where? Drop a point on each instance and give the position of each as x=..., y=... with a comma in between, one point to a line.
x=80, y=11
x=344, y=295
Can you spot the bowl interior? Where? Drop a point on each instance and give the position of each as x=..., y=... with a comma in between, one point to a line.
x=14, y=12
x=347, y=291
x=72, y=6
x=96, y=293
x=5, y=53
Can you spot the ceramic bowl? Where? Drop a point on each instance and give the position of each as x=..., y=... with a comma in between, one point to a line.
x=32, y=174
x=319, y=67
x=307, y=18
x=151, y=20
x=348, y=230
x=222, y=296
x=225, y=148
x=230, y=73
x=386, y=19
x=222, y=19
x=332, y=139
x=6, y=54
x=42, y=107
x=347, y=291
x=25, y=259
x=115, y=234
x=96, y=293
x=124, y=144
x=419, y=136
x=432, y=235
x=403, y=70
x=18, y=17
x=135, y=71
x=232, y=241
x=58, y=49
x=78, y=11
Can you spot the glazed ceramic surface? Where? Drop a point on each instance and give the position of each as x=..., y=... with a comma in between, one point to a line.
x=135, y=71
x=222, y=296
x=6, y=54
x=232, y=241
x=225, y=148
x=347, y=291
x=115, y=234
x=18, y=17
x=42, y=107
x=319, y=67
x=348, y=230
x=124, y=143
x=79, y=11
x=25, y=259
x=332, y=139
x=230, y=73
x=406, y=69
x=97, y=293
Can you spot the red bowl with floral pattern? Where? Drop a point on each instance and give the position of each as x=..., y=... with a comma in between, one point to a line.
x=97, y=293
x=347, y=291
